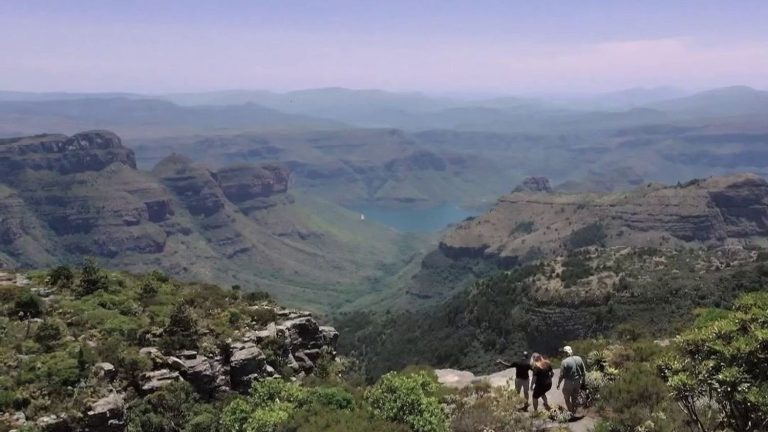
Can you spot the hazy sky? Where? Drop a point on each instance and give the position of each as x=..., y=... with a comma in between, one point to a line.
x=463, y=46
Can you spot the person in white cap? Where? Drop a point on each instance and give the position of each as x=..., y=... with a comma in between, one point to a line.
x=573, y=372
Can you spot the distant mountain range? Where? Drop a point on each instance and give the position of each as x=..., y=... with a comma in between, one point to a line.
x=153, y=115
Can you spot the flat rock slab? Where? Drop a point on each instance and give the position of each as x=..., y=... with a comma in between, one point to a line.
x=459, y=379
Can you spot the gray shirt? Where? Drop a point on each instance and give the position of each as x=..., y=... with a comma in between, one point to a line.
x=573, y=369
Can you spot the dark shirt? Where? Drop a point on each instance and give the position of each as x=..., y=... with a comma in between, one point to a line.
x=543, y=376
x=521, y=369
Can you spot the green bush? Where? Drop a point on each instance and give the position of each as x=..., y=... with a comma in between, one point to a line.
x=174, y=408
x=409, y=399
x=589, y=235
x=92, y=279
x=320, y=419
x=60, y=277
x=331, y=397
x=269, y=405
x=27, y=305
x=722, y=364
x=181, y=331
x=496, y=409
x=49, y=333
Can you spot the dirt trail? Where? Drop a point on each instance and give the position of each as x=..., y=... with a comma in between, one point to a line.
x=459, y=379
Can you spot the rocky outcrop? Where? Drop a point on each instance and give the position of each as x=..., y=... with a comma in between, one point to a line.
x=295, y=340
x=713, y=211
x=246, y=182
x=87, y=151
x=106, y=414
x=534, y=184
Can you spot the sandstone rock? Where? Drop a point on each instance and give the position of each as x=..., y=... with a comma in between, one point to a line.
x=330, y=336
x=152, y=381
x=303, y=362
x=207, y=376
x=87, y=151
x=303, y=332
x=187, y=355
x=246, y=364
x=54, y=423
x=106, y=415
x=241, y=183
x=105, y=370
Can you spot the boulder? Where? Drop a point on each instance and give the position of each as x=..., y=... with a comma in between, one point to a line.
x=207, y=376
x=105, y=370
x=305, y=364
x=330, y=336
x=106, y=415
x=152, y=381
x=246, y=364
x=54, y=423
x=303, y=333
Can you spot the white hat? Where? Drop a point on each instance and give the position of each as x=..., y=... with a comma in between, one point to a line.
x=568, y=350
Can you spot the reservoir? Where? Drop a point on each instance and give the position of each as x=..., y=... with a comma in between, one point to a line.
x=416, y=220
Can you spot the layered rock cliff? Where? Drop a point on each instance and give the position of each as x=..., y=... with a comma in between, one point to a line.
x=87, y=151
x=532, y=222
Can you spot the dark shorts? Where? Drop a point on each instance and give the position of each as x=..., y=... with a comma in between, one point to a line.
x=540, y=390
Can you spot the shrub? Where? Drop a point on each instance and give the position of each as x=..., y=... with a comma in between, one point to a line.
x=49, y=332
x=589, y=235
x=269, y=404
x=181, y=331
x=320, y=419
x=496, y=410
x=331, y=397
x=174, y=408
x=525, y=227
x=257, y=296
x=92, y=279
x=27, y=305
x=635, y=397
x=60, y=277
x=409, y=399
x=148, y=288
x=723, y=363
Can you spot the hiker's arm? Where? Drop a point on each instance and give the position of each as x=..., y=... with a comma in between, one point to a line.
x=560, y=379
x=503, y=363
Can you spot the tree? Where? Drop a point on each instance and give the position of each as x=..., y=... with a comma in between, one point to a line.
x=174, y=408
x=409, y=399
x=92, y=279
x=48, y=333
x=722, y=364
x=181, y=331
x=270, y=404
x=61, y=277
x=27, y=305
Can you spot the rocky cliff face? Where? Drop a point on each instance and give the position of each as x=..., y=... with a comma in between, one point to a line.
x=528, y=224
x=87, y=151
x=82, y=195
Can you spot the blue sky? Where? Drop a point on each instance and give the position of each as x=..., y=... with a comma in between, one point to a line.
x=435, y=46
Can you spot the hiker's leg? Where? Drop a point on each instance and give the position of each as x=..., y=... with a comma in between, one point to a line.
x=518, y=386
x=535, y=404
x=546, y=402
x=567, y=392
x=526, y=385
